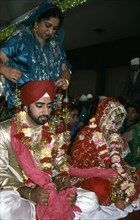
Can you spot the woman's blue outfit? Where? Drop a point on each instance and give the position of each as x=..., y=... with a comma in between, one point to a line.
x=26, y=54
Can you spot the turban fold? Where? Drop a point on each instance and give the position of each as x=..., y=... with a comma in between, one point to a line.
x=34, y=90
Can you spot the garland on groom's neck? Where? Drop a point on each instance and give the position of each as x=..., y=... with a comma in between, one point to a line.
x=49, y=152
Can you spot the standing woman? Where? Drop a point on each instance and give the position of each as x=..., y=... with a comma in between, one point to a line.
x=35, y=51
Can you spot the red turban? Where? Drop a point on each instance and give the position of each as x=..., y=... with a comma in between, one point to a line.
x=34, y=90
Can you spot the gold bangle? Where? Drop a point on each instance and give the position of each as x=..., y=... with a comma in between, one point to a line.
x=29, y=194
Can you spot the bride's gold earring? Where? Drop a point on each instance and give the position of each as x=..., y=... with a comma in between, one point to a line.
x=35, y=27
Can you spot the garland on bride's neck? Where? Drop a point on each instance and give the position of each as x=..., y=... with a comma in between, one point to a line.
x=123, y=185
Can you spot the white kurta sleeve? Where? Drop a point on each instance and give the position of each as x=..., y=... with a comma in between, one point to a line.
x=88, y=203
x=13, y=207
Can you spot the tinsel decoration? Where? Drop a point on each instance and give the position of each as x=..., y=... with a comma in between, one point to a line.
x=68, y=4
x=6, y=32
x=63, y=4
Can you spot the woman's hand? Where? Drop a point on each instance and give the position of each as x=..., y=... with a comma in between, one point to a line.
x=62, y=83
x=121, y=204
x=10, y=73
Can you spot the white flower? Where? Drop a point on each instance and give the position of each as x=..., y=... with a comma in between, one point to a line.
x=81, y=137
x=27, y=132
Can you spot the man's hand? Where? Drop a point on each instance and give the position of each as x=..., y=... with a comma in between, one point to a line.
x=39, y=195
x=62, y=182
x=72, y=198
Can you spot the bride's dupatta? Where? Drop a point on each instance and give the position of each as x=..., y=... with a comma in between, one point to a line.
x=59, y=206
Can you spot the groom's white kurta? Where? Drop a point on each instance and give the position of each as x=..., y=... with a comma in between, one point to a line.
x=13, y=207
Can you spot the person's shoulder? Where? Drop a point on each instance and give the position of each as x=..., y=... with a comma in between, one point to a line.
x=138, y=124
x=5, y=132
x=5, y=125
x=21, y=30
x=85, y=131
x=135, y=126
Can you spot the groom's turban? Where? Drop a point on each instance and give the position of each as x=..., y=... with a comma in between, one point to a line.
x=34, y=90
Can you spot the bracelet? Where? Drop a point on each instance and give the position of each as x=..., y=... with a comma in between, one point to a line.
x=67, y=82
x=29, y=194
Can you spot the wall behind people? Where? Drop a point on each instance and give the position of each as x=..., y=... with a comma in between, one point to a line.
x=116, y=81
x=110, y=62
x=83, y=81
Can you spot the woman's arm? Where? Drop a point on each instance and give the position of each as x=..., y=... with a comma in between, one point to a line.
x=63, y=82
x=8, y=72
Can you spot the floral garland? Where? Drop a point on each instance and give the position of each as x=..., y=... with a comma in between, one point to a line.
x=123, y=185
x=99, y=141
x=51, y=149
